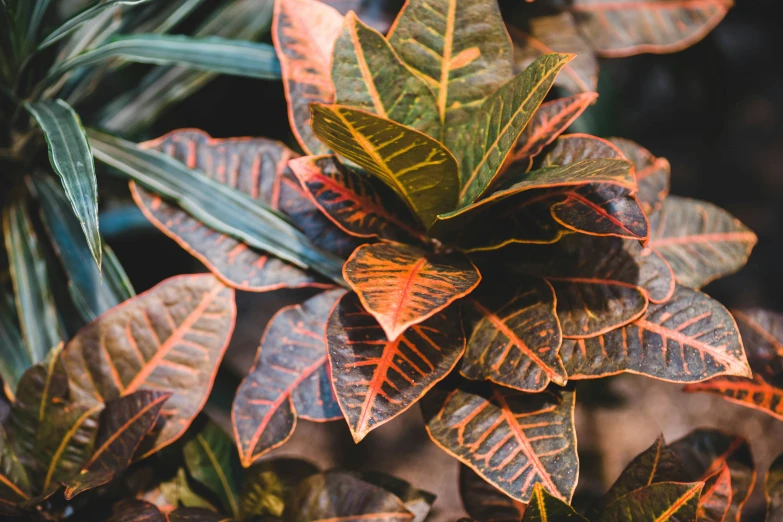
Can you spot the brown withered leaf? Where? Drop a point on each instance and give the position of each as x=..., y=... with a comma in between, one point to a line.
x=668, y=501
x=762, y=335
x=485, y=502
x=704, y=452
x=336, y=495
x=402, y=285
x=353, y=202
x=700, y=241
x=690, y=338
x=170, y=338
x=257, y=167
x=513, y=440
x=544, y=507
x=652, y=174
x=289, y=379
x=462, y=51
x=773, y=490
x=123, y=425
x=555, y=33
x=304, y=33
x=515, y=335
x=376, y=379
x=368, y=75
x=637, y=26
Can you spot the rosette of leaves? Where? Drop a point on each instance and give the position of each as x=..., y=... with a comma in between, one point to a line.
x=471, y=234
x=706, y=476
x=55, y=65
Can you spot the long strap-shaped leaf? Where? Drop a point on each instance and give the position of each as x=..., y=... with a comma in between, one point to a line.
x=14, y=357
x=216, y=205
x=86, y=15
x=208, y=457
x=71, y=158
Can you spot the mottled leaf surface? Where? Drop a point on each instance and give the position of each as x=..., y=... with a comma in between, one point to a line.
x=652, y=174
x=485, y=502
x=513, y=440
x=700, y=241
x=544, y=507
x=170, y=338
x=668, y=501
x=515, y=335
x=418, y=168
x=376, y=379
x=290, y=378
x=402, y=285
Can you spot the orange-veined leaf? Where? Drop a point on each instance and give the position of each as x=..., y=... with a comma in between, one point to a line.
x=773, y=490
x=548, y=122
x=257, y=167
x=515, y=335
x=704, y=452
x=572, y=148
x=354, y=202
x=690, y=338
x=762, y=335
x=700, y=241
x=304, y=33
x=402, y=285
x=652, y=174
x=289, y=379
x=419, y=169
x=124, y=423
x=15, y=485
x=514, y=440
x=485, y=502
x=544, y=507
x=368, y=75
x=715, y=501
x=547, y=33
x=462, y=51
x=336, y=495
x=498, y=123
x=664, y=501
x=170, y=338
x=640, y=26
x=267, y=484
x=376, y=379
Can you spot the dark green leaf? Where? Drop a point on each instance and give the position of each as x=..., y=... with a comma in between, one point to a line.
x=665, y=501
x=71, y=159
x=268, y=483
x=544, y=507
x=14, y=484
x=14, y=357
x=208, y=457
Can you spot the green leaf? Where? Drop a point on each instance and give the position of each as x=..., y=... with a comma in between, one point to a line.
x=29, y=274
x=497, y=124
x=216, y=205
x=71, y=158
x=461, y=49
x=208, y=457
x=86, y=15
x=368, y=75
x=665, y=501
x=418, y=168
x=14, y=357
x=544, y=507
x=14, y=484
x=266, y=485
x=212, y=54
x=91, y=294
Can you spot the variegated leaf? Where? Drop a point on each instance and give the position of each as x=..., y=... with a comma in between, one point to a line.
x=690, y=338
x=170, y=339
x=14, y=483
x=403, y=285
x=641, y=26
x=544, y=507
x=289, y=379
x=515, y=335
x=355, y=203
x=572, y=148
x=418, y=168
x=665, y=501
x=716, y=497
x=304, y=33
x=513, y=440
x=368, y=75
x=652, y=174
x=700, y=241
x=376, y=379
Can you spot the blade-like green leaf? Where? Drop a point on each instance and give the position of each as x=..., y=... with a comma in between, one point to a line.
x=215, y=204
x=86, y=15
x=209, y=459
x=418, y=168
x=212, y=54
x=499, y=121
x=14, y=358
x=91, y=296
x=34, y=303
x=72, y=160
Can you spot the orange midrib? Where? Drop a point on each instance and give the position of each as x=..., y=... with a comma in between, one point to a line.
x=704, y=238
x=666, y=515
x=415, y=269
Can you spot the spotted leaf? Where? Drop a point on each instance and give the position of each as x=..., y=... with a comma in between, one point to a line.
x=512, y=439
x=289, y=379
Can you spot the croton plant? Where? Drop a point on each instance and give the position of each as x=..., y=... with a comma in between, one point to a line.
x=470, y=256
